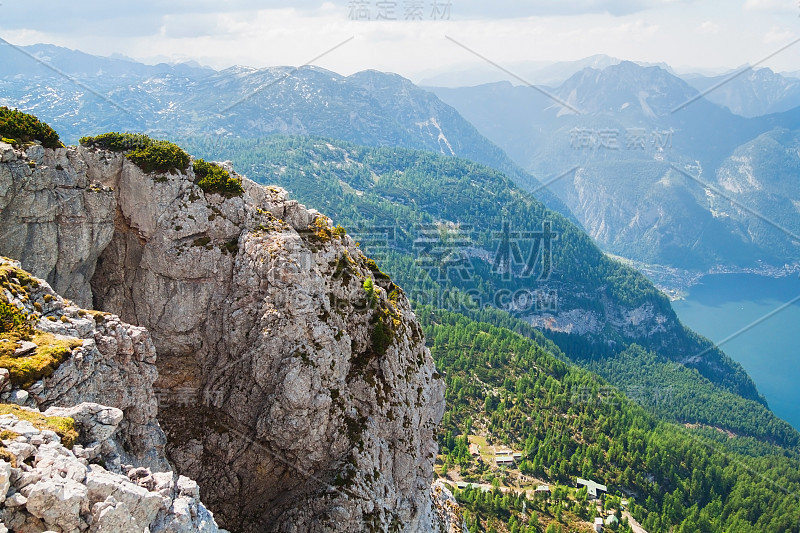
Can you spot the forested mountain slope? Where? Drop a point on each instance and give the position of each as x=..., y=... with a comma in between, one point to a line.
x=459, y=236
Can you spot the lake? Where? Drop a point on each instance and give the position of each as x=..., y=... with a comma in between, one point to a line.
x=769, y=346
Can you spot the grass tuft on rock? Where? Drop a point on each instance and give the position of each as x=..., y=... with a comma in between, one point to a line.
x=212, y=178
x=16, y=325
x=63, y=426
x=50, y=352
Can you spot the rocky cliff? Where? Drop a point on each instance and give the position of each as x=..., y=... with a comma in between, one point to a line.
x=80, y=465
x=48, y=487
x=294, y=384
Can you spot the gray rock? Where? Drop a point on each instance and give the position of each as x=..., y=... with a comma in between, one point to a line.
x=16, y=500
x=60, y=493
x=7, y=152
x=58, y=502
x=115, y=367
x=5, y=380
x=95, y=422
x=268, y=372
x=25, y=347
x=142, y=504
x=112, y=516
x=19, y=396
x=5, y=479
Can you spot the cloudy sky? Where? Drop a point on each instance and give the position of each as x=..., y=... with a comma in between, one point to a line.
x=428, y=36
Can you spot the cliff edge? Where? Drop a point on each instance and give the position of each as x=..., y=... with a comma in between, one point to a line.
x=293, y=380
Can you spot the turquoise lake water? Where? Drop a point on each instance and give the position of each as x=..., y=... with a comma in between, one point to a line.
x=768, y=348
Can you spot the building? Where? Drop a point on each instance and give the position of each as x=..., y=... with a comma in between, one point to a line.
x=504, y=460
x=593, y=488
x=598, y=525
x=543, y=488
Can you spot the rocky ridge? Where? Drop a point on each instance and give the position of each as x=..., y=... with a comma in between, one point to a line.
x=294, y=383
x=109, y=362
x=48, y=487
x=109, y=473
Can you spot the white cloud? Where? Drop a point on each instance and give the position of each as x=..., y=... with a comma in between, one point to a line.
x=771, y=5
x=264, y=33
x=778, y=35
x=708, y=27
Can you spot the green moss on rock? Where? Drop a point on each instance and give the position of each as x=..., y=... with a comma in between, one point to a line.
x=63, y=426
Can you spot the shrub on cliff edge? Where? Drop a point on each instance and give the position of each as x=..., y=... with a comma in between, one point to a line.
x=151, y=155
x=20, y=127
x=213, y=178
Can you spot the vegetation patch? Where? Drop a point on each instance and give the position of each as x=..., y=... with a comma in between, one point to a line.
x=319, y=229
x=50, y=352
x=201, y=241
x=382, y=336
x=369, y=289
x=161, y=157
x=99, y=316
x=17, y=127
x=212, y=178
x=377, y=272
x=148, y=154
x=231, y=247
x=16, y=280
x=63, y=426
x=11, y=318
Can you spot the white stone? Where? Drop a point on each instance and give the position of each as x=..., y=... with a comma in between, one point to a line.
x=5, y=479
x=19, y=397
x=5, y=380
x=58, y=501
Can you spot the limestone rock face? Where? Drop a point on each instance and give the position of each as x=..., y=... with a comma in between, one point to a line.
x=52, y=218
x=447, y=509
x=294, y=383
x=52, y=488
x=113, y=363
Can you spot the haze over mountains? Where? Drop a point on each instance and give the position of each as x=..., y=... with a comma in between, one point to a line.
x=184, y=100
x=652, y=169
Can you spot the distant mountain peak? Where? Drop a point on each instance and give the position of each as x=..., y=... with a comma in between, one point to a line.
x=626, y=86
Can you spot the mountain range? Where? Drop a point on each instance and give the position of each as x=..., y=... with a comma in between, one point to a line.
x=205, y=108
x=80, y=94
x=652, y=169
x=545, y=343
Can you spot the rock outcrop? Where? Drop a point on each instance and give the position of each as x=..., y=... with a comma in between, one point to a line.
x=110, y=363
x=447, y=510
x=294, y=384
x=48, y=487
